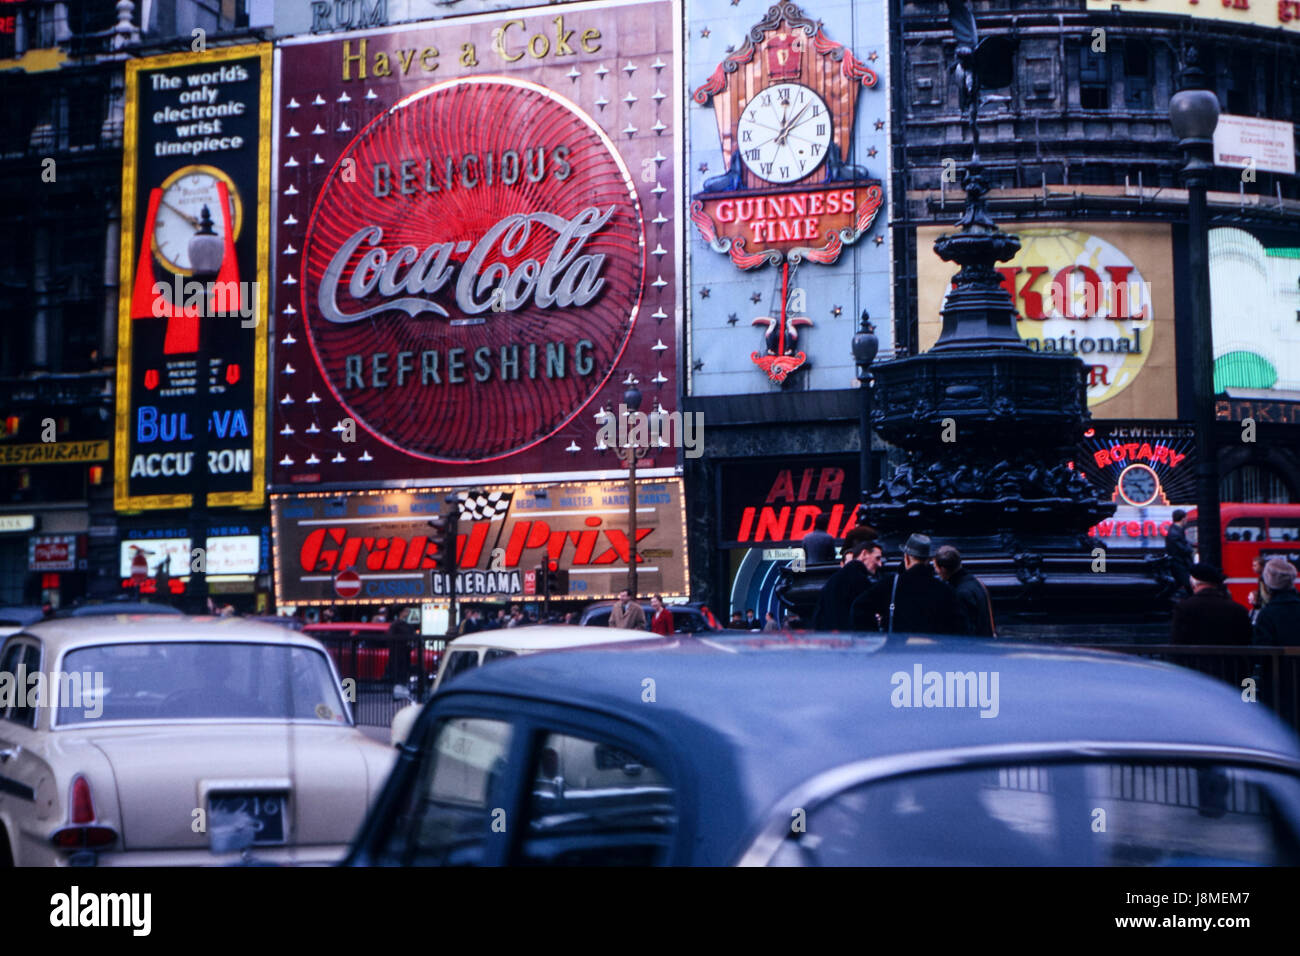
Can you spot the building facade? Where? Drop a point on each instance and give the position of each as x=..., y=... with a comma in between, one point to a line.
x=473, y=228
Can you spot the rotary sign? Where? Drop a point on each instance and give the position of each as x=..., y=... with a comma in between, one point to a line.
x=477, y=226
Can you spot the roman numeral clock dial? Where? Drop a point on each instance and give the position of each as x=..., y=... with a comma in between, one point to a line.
x=784, y=132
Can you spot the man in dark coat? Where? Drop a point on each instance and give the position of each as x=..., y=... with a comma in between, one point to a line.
x=1209, y=616
x=972, y=596
x=1179, y=551
x=1279, y=621
x=920, y=602
x=834, y=607
x=818, y=545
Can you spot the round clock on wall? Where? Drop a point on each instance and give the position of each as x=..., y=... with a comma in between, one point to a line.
x=184, y=194
x=784, y=132
x=1139, y=485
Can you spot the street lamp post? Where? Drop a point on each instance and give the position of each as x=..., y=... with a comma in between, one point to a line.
x=865, y=347
x=206, y=250
x=1194, y=114
x=629, y=454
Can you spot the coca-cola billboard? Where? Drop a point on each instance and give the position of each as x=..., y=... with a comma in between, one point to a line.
x=477, y=242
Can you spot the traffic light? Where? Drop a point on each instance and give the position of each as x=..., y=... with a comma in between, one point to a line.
x=445, y=530
x=556, y=581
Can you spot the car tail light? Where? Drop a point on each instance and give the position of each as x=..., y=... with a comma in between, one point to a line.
x=81, y=806
x=82, y=831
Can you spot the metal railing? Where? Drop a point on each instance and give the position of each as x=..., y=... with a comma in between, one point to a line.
x=1274, y=670
x=374, y=669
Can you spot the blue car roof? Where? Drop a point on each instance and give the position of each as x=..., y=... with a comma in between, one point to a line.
x=779, y=709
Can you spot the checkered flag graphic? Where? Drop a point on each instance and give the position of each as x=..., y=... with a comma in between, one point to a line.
x=481, y=507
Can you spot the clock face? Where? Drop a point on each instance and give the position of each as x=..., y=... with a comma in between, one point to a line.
x=784, y=132
x=184, y=194
x=1139, y=485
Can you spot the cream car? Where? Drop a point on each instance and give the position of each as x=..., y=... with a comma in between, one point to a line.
x=151, y=740
x=474, y=650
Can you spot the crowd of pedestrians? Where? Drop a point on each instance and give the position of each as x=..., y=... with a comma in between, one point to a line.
x=931, y=594
x=1206, y=613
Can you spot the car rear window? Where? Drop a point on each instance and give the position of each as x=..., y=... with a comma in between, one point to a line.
x=199, y=680
x=459, y=662
x=1075, y=814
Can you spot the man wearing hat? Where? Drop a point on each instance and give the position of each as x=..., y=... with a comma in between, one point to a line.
x=1279, y=621
x=912, y=601
x=1209, y=615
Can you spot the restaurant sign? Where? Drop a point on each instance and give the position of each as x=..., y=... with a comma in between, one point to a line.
x=506, y=532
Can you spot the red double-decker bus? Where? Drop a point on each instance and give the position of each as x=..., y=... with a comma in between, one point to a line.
x=1251, y=530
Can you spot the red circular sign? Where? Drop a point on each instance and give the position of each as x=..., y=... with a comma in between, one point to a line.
x=472, y=269
x=347, y=584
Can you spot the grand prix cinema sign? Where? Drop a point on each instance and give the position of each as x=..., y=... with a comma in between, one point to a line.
x=474, y=263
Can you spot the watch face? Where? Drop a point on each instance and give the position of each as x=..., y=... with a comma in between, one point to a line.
x=184, y=194
x=1138, y=485
x=784, y=132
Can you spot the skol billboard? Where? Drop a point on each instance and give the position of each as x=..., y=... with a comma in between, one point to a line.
x=789, y=172
x=1278, y=14
x=192, y=335
x=370, y=547
x=1101, y=291
x=477, y=243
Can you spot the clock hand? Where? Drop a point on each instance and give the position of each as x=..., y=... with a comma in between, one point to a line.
x=190, y=219
x=790, y=124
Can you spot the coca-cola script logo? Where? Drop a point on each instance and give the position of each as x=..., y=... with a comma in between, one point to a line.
x=473, y=269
